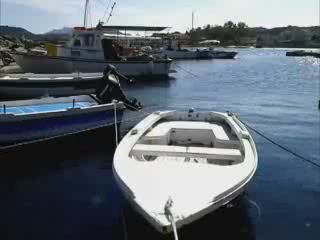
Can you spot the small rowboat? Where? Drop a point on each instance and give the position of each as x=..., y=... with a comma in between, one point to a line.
x=176, y=167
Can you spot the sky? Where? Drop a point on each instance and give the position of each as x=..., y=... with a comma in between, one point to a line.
x=40, y=16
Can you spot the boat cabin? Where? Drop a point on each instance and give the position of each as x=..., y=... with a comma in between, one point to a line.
x=108, y=42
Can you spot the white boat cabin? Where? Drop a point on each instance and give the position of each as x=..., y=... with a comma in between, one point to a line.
x=107, y=42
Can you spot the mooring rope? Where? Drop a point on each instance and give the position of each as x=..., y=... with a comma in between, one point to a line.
x=312, y=162
x=280, y=146
x=169, y=215
x=124, y=225
x=115, y=121
x=187, y=71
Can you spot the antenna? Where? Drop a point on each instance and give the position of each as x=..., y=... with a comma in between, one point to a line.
x=192, y=20
x=105, y=13
x=85, y=14
x=110, y=15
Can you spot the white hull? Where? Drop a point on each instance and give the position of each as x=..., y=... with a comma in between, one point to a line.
x=180, y=54
x=150, y=168
x=186, y=54
x=222, y=54
x=44, y=64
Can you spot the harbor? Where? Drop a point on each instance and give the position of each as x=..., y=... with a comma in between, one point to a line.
x=76, y=186
x=117, y=131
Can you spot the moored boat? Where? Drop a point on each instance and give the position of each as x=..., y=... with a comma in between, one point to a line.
x=62, y=64
x=27, y=86
x=35, y=119
x=176, y=167
x=186, y=54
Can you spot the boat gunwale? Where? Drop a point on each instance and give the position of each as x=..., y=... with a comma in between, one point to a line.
x=11, y=117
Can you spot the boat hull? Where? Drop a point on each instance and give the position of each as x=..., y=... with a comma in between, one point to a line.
x=22, y=127
x=28, y=86
x=46, y=64
x=186, y=55
x=167, y=229
x=223, y=55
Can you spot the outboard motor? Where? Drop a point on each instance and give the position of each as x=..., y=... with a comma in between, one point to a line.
x=109, y=89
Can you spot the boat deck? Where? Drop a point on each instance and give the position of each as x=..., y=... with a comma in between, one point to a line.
x=190, y=141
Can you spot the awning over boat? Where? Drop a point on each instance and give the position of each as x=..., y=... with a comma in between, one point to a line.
x=116, y=36
x=135, y=28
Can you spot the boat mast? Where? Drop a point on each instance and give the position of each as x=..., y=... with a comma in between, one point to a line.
x=192, y=29
x=85, y=14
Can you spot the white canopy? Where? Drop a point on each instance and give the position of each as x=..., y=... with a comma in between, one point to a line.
x=210, y=42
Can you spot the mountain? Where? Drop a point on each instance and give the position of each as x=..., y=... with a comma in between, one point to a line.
x=62, y=31
x=16, y=32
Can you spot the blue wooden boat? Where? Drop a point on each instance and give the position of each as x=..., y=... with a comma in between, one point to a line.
x=27, y=120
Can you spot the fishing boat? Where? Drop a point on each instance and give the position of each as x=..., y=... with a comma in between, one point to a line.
x=90, y=49
x=175, y=167
x=28, y=120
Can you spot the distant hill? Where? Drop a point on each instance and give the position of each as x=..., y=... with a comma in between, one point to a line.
x=52, y=36
x=16, y=32
x=62, y=31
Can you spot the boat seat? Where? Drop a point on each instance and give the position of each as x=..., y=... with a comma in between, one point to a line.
x=180, y=151
x=220, y=133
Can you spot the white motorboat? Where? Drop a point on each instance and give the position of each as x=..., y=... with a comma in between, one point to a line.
x=176, y=167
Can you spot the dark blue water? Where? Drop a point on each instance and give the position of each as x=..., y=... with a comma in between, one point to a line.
x=68, y=192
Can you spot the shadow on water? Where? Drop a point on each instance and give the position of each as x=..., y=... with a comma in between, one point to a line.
x=42, y=157
x=229, y=222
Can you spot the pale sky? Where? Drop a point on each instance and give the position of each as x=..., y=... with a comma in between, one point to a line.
x=41, y=16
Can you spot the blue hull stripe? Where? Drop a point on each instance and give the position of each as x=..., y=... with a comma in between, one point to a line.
x=92, y=119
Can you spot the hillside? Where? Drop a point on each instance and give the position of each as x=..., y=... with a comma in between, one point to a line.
x=62, y=31
x=16, y=32
x=19, y=33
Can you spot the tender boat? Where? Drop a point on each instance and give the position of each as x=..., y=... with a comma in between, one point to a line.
x=27, y=120
x=176, y=167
